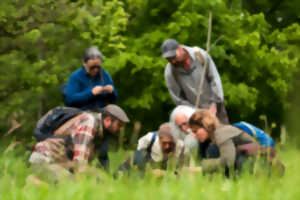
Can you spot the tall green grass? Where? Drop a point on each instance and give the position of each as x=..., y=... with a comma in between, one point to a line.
x=15, y=170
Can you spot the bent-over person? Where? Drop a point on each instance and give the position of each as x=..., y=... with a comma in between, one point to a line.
x=158, y=150
x=235, y=146
x=74, y=142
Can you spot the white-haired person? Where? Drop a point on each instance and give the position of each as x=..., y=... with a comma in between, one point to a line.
x=179, y=119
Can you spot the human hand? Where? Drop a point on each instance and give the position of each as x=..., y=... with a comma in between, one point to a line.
x=192, y=169
x=158, y=173
x=108, y=89
x=97, y=90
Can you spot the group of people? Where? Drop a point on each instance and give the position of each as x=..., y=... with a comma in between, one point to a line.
x=204, y=130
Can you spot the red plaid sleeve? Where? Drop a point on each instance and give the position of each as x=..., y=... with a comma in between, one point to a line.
x=83, y=134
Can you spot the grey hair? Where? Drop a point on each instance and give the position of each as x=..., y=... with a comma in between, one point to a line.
x=186, y=110
x=92, y=53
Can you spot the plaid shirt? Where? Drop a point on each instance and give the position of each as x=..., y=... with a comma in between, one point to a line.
x=82, y=130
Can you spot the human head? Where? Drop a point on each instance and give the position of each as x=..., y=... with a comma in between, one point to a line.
x=114, y=118
x=166, y=139
x=173, y=52
x=92, y=60
x=203, y=124
x=180, y=118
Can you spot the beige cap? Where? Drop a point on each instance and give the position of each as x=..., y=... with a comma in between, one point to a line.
x=117, y=112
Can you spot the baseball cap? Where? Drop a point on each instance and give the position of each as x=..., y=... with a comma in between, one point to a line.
x=168, y=48
x=117, y=112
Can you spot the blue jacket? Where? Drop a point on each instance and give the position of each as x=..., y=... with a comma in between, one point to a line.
x=78, y=90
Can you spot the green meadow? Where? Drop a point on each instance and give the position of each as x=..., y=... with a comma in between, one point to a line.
x=15, y=184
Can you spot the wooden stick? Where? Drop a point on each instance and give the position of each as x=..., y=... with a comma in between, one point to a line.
x=200, y=90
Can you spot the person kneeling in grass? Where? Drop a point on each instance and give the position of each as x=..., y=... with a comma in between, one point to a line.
x=158, y=149
x=235, y=146
x=73, y=144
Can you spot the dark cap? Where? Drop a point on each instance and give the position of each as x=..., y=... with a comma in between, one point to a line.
x=168, y=48
x=165, y=130
x=117, y=112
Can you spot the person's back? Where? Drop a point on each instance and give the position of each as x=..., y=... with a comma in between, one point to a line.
x=235, y=146
x=74, y=141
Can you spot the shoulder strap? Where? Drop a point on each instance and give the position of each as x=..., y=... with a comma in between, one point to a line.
x=152, y=142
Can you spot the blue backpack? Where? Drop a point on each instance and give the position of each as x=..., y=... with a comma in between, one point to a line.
x=263, y=138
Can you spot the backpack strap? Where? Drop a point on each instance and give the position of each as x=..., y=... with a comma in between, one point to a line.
x=151, y=143
x=141, y=157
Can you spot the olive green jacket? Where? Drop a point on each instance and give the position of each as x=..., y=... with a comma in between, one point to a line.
x=227, y=138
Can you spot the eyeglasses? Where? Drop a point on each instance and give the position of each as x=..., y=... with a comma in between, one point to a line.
x=183, y=124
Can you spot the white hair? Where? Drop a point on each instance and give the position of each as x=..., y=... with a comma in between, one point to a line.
x=183, y=109
x=187, y=110
x=190, y=143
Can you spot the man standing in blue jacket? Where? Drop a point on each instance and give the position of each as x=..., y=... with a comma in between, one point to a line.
x=90, y=86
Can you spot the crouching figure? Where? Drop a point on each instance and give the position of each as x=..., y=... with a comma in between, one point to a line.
x=235, y=146
x=159, y=150
x=73, y=143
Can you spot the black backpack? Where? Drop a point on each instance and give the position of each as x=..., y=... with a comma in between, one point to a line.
x=51, y=121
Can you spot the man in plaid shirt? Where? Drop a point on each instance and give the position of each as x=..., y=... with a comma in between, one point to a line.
x=81, y=131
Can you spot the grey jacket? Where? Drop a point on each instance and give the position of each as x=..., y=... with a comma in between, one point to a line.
x=184, y=87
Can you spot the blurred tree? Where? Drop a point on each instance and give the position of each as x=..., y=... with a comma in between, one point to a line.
x=41, y=43
x=278, y=13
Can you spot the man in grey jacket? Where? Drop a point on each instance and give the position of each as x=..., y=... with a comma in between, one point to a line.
x=183, y=75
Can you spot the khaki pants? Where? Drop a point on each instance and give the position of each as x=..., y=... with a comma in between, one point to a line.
x=43, y=163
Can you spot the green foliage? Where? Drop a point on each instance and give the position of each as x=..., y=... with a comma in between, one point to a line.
x=41, y=43
x=278, y=13
x=256, y=61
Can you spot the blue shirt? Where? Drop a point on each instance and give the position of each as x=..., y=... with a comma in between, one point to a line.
x=78, y=90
